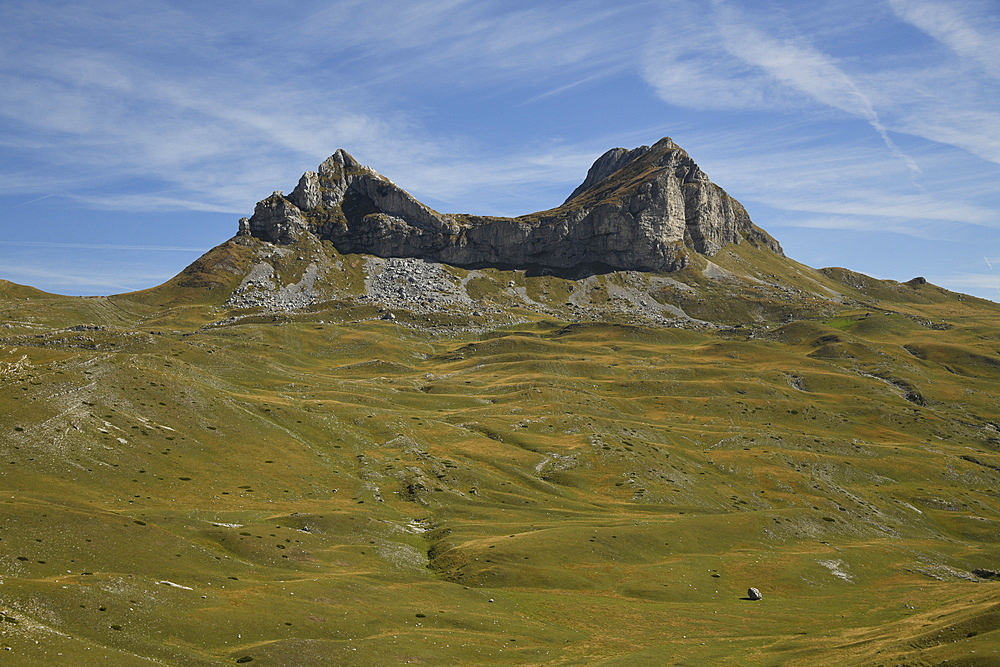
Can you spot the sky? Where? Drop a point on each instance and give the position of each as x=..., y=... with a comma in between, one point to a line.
x=134, y=134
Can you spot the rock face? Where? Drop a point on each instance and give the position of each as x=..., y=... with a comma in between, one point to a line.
x=643, y=209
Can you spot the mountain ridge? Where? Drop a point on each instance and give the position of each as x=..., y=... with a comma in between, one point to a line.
x=643, y=209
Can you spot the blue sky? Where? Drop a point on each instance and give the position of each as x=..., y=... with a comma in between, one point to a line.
x=134, y=134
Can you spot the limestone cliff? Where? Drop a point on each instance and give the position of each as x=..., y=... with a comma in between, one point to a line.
x=643, y=209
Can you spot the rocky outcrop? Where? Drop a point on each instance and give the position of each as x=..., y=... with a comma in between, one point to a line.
x=643, y=209
x=608, y=164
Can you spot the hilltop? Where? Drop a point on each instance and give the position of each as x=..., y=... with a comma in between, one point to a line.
x=363, y=432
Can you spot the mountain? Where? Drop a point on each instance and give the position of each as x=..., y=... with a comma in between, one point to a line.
x=362, y=432
x=643, y=210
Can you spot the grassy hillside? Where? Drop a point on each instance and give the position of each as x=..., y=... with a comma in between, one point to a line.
x=530, y=470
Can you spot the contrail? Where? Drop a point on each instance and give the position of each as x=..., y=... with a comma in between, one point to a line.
x=988, y=263
x=33, y=200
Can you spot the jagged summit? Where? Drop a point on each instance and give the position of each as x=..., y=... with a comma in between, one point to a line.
x=620, y=166
x=642, y=209
x=615, y=160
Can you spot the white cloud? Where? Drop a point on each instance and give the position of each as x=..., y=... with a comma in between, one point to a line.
x=797, y=64
x=725, y=56
x=873, y=204
x=475, y=41
x=976, y=281
x=970, y=29
x=717, y=56
x=686, y=65
x=81, y=281
x=728, y=62
x=918, y=229
x=100, y=246
x=975, y=131
x=834, y=180
x=216, y=132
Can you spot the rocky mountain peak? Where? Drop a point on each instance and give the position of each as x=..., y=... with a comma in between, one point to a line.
x=606, y=165
x=340, y=160
x=642, y=209
x=621, y=166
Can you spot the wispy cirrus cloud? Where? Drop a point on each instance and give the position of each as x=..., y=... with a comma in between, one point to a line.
x=970, y=29
x=742, y=60
x=687, y=65
x=100, y=246
x=866, y=223
x=983, y=282
x=469, y=41
x=799, y=65
x=846, y=185
x=82, y=280
x=731, y=63
x=948, y=90
x=240, y=110
x=737, y=59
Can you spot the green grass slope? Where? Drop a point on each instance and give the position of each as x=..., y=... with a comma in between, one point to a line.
x=187, y=482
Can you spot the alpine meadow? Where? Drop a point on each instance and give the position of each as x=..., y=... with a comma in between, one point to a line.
x=364, y=432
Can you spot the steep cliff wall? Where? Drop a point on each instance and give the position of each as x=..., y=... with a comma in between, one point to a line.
x=643, y=209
